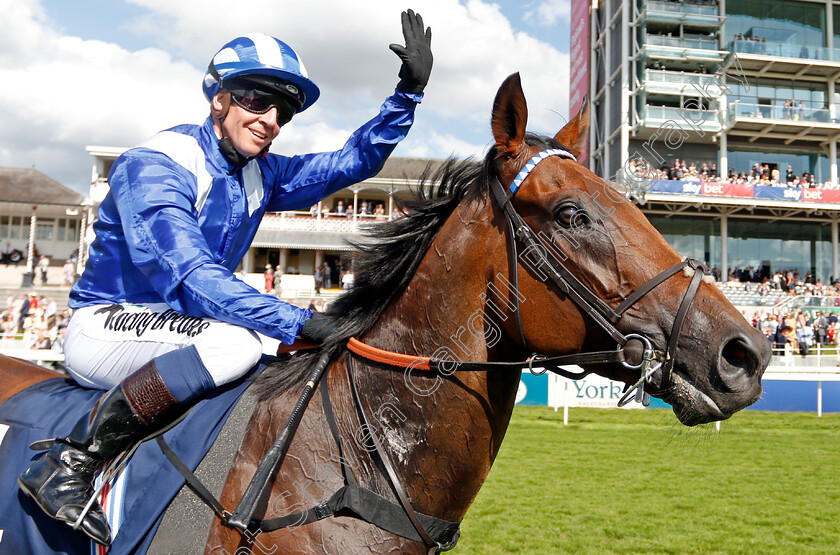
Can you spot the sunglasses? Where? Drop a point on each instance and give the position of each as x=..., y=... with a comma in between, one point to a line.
x=257, y=101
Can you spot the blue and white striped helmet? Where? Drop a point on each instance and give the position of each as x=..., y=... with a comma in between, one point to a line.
x=263, y=58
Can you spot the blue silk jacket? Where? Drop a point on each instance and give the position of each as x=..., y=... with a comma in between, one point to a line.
x=177, y=221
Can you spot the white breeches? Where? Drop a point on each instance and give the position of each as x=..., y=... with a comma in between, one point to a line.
x=107, y=343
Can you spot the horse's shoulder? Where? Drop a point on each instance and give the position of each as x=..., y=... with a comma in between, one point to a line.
x=16, y=375
x=186, y=522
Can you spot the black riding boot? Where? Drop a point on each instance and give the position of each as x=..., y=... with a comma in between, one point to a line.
x=61, y=482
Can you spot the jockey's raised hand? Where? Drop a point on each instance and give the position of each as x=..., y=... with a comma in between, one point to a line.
x=416, y=55
x=180, y=215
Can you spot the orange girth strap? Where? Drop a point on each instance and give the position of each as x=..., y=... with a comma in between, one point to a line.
x=387, y=357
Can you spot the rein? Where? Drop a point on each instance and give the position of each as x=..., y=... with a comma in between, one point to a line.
x=519, y=232
x=436, y=534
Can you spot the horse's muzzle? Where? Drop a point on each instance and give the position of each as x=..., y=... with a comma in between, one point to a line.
x=741, y=363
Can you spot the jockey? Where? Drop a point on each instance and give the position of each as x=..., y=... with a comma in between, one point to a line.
x=159, y=317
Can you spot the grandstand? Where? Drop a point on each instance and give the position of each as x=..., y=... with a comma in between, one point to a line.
x=744, y=298
x=745, y=87
x=743, y=91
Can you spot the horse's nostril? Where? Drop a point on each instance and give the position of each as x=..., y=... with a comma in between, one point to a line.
x=739, y=361
x=735, y=353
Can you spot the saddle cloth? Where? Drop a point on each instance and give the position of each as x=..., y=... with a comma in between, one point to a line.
x=135, y=503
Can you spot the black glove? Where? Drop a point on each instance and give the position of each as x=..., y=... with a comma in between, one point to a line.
x=318, y=328
x=416, y=55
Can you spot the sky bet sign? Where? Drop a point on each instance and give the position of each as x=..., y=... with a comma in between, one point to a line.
x=744, y=190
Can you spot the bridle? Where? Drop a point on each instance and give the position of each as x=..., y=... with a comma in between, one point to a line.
x=608, y=318
x=518, y=233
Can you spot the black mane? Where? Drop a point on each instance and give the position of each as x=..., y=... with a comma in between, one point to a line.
x=388, y=256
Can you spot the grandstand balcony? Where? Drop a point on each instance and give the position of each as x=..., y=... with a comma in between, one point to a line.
x=695, y=14
x=652, y=120
x=688, y=48
x=302, y=230
x=774, y=121
x=782, y=60
x=661, y=81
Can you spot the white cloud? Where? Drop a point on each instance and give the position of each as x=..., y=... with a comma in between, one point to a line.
x=67, y=92
x=549, y=12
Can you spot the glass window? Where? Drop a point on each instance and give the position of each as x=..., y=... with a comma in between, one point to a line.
x=19, y=229
x=836, y=13
x=775, y=92
x=812, y=162
x=777, y=22
x=70, y=230
x=695, y=237
x=44, y=229
x=4, y=226
x=782, y=246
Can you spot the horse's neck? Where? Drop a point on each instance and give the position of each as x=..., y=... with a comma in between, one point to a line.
x=443, y=433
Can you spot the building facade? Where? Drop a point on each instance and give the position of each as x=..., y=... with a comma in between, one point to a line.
x=297, y=242
x=740, y=86
x=38, y=215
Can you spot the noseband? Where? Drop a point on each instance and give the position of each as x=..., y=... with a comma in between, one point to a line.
x=604, y=315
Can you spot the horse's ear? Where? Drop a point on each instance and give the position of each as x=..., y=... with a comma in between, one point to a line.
x=510, y=115
x=574, y=134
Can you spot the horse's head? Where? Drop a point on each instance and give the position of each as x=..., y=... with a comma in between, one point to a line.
x=593, y=254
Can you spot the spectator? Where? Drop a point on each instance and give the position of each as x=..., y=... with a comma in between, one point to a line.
x=821, y=328
x=269, y=278
x=278, y=278
x=347, y=280
x=318, y=276
x=43, y=266
x=804, y=334
x=25, y=307
x=43, y=341
x=69, y=273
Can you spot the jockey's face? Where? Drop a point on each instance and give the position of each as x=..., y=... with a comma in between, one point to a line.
x=249, y=133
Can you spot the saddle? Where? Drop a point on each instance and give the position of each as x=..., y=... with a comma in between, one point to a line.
x=136, y=502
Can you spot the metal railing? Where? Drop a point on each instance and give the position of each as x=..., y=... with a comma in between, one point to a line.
x=738, y=109
x=819, y=356
x=682, y=42
x=705, y=82
x=683, y=7
x=784, y=50
x=708, y=119
x=304, y=221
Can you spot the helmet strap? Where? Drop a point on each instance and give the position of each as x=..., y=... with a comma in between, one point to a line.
x=232, y=155
x=226, y=147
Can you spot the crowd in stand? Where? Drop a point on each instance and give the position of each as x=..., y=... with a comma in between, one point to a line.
x=797, y=332
x=366, y=210
x=759, y=174
x=782, y=282
x=32, y=321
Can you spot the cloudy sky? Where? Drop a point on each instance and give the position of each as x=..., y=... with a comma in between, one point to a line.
x=113, y=72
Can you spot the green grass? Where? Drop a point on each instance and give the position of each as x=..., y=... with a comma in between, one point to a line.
x=636, y=481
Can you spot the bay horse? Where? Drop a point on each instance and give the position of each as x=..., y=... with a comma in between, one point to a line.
x=445, y=283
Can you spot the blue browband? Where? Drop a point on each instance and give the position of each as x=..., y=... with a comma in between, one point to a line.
x=532, y=163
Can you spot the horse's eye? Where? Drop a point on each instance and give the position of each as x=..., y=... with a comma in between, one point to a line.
x=571, y=216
